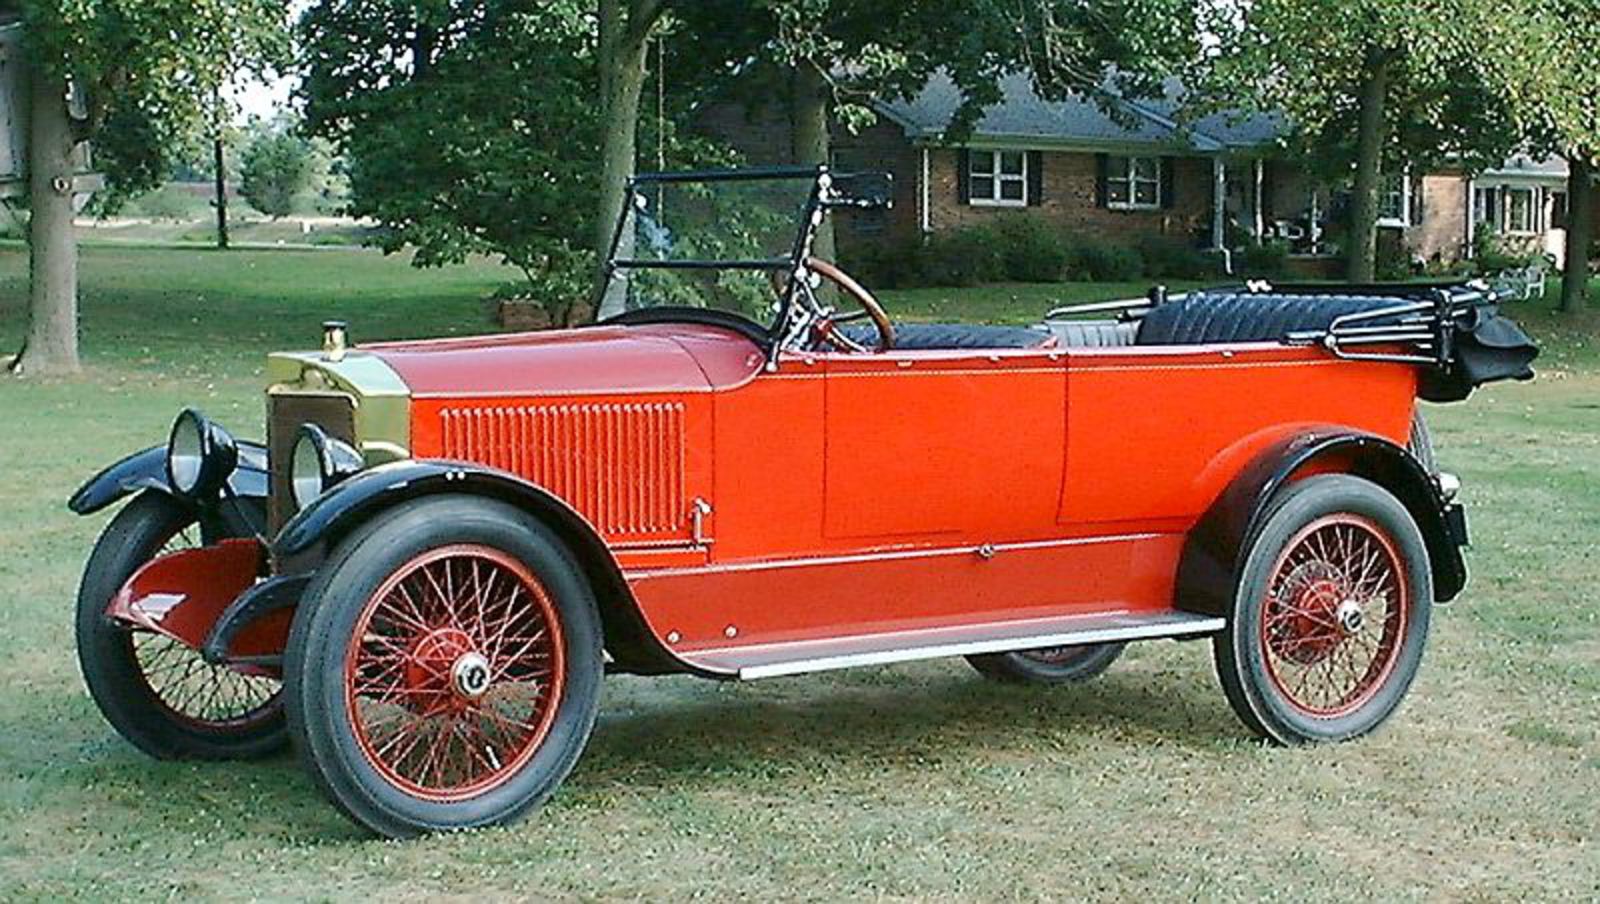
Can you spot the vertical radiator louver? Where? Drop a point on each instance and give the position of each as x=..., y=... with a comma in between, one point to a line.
x=620, y=465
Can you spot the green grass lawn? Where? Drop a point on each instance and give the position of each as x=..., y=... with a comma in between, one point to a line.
x=909, y=782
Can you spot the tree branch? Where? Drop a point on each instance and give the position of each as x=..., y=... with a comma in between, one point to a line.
x=643, y=16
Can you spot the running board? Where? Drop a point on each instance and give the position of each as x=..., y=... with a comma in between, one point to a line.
x=797, y=657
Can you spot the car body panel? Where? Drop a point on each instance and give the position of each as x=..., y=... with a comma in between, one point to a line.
x=1157, y=432
x=837, y=493
x=610, y=360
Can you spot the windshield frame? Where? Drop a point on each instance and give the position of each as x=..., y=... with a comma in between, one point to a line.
x=793, y=263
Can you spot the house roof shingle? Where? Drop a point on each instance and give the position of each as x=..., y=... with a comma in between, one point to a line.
x=1080, y=119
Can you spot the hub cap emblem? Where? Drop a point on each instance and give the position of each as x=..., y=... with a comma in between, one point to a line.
x=470, y=675
x=1350, y=616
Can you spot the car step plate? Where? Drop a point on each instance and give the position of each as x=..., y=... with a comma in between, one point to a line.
x=797, y=657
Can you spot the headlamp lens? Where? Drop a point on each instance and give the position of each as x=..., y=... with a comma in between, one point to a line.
x=200, y=456
x=186, y=453
x=309, y=468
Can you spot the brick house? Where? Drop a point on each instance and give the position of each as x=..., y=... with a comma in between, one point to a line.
x=1524, y=202
x=1110, y=166
x=1117, y=167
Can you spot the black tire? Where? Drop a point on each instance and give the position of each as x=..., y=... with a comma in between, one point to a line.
x=1054, y=665
x=123, y=669
x=336, y=730
x=1266, y=636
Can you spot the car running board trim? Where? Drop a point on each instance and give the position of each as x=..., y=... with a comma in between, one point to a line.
x=798, y=657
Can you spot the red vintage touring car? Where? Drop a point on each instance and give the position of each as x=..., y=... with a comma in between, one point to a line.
x=422, y=575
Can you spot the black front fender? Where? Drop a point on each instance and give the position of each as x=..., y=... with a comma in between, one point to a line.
x=147, y=470
x=1214, y=553
x=321, y=525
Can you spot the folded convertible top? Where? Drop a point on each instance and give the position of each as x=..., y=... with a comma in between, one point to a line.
x=1455, y=333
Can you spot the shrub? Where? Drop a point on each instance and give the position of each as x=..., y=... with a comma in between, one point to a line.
x=887, y=264
x=964, y=258
x=1268, y=260
x=1393, y=262
x=276, y=167
x=1031, y=250
x=957, y=258
x=558, y=286
x=1490, y=254
x=1093, y=260
x=338, y=238
x=170, y=202
x=1170, y=258
x=1440, y=267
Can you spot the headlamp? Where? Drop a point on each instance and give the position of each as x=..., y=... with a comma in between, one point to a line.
x=200, y=456
x=317, y=463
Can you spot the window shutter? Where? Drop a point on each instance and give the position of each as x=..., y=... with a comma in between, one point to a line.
x=1102, y=168
x=1035, y=178
x=1419, y=209
x=964, y=176
x=1169, y=191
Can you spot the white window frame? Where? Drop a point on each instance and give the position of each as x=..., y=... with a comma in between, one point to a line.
x=1408, y=210
x=1485, y=213
x=995, y=198
x=1132, y=180
x=1532, y=193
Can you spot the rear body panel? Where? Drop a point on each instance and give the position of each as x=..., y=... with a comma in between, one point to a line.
x=838, y=495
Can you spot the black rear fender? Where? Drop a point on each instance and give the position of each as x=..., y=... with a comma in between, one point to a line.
x=1214, y=553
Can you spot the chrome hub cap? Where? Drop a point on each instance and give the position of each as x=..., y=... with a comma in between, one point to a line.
x=470, y=676
x=1351, y=617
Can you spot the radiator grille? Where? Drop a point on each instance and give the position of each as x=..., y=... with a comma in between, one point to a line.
x=335, y=414
x=620, y=465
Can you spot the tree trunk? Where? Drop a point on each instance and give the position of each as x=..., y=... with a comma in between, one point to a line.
x=1363, y=250
x=811, y=138
x=53, y=246
x=222, y=196
x=1580, y=233
x=623, y=49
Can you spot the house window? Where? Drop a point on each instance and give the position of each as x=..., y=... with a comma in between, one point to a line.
x=1133, y=183
x=1394, y=204
x=1522, y=211
x=1486, y=208
x=999, y=178
x=1558, y=210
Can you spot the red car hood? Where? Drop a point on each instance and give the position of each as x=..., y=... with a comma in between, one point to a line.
x=600, y=360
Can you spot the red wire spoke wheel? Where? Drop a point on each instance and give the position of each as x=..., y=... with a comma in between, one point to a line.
x=1331, y=614
x=158, y=693
x=1049, y=665
x=211, y=698
x=444, y=667
x=454, y=671
x=1334, y=615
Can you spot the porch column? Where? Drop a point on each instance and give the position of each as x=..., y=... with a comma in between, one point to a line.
x=1316, y=221
x=1219, y=203
x=1472, y=218
x=1260, y=210
x=925, y=194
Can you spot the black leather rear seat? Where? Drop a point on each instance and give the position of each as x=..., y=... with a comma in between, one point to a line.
x=1204, y=318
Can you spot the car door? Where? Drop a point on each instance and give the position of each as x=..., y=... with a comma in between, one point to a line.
x=958, y=445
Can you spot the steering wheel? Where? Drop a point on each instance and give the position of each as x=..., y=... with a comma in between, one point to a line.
x=870, y=310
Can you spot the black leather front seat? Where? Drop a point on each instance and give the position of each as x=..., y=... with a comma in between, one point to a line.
x=952, y=336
